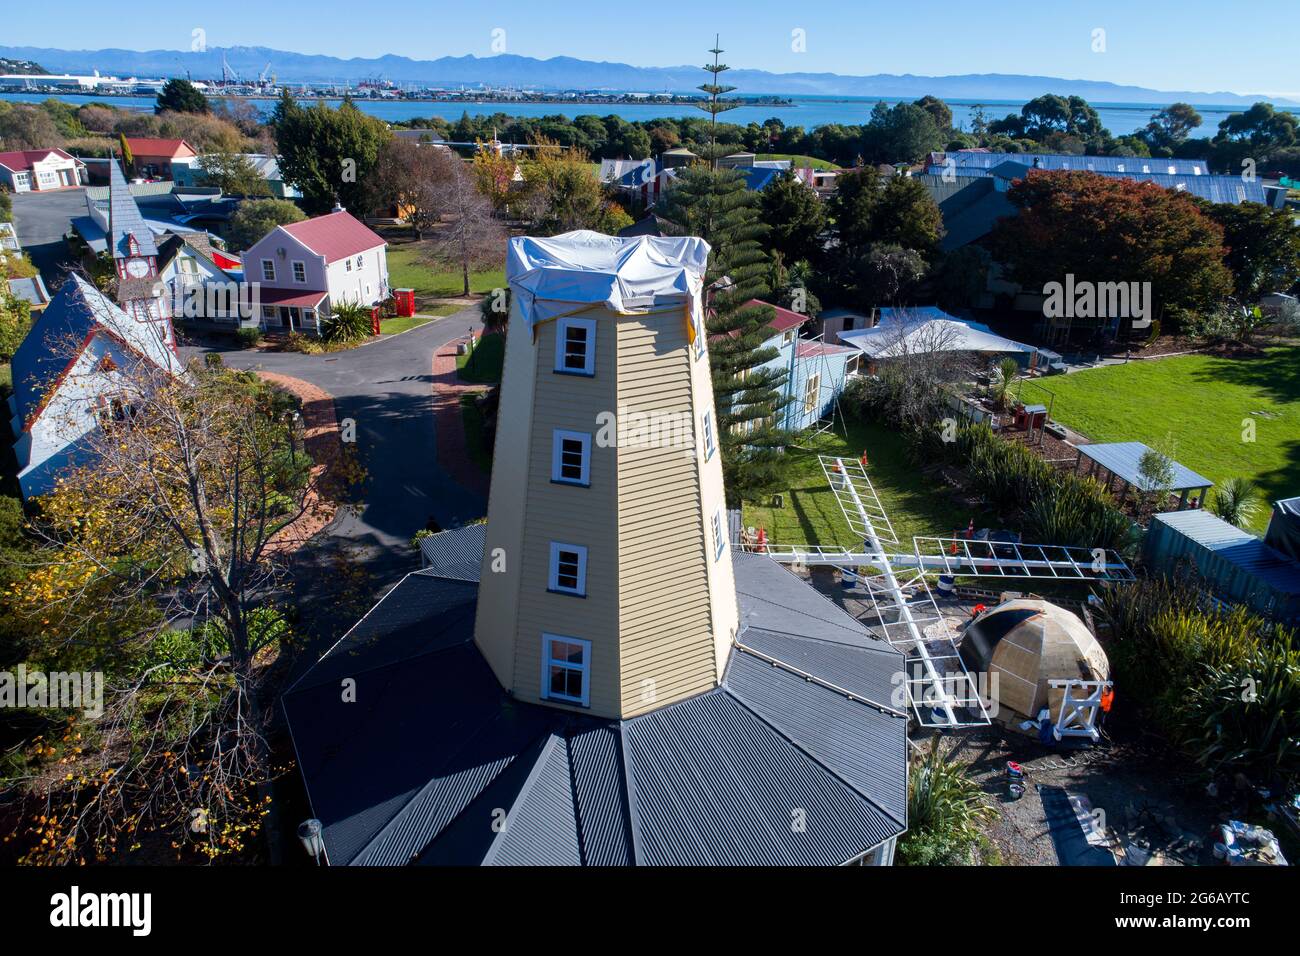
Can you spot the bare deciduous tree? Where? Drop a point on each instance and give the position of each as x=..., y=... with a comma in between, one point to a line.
x=471, y=235
x=405, y=178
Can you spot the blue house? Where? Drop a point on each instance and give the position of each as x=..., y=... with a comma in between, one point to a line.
x=816, y=371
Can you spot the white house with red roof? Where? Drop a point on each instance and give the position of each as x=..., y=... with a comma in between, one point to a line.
x=303, y=269
x=40, y=170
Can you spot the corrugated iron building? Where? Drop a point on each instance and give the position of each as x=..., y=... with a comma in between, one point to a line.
x=1237, y=565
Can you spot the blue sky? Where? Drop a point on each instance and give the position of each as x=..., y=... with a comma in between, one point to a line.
x=1188, y=45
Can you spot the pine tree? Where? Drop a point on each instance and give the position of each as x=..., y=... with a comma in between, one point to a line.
x=715, y=105
x=716, y=205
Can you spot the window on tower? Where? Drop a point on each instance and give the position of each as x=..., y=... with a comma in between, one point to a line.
x=568, y=573
x=571, y=457
x=566, y=669
x=575, y=346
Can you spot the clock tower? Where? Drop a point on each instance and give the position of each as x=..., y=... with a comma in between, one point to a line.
x=135, y=258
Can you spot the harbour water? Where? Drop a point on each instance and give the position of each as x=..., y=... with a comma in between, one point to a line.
x=808, y=112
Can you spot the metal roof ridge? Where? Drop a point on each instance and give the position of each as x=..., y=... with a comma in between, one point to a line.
x=330, y=650
x=808, y=753
x=539, y=762
x=465, y=742
x=822, y=682
x=629, y=784
x=863, y=629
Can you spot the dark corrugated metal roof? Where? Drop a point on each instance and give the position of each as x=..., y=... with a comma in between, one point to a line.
x=740, y=797
x=457, y=553
x=416, y=768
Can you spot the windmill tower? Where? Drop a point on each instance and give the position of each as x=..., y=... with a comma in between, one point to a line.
x=607, y=583
x=135, y=259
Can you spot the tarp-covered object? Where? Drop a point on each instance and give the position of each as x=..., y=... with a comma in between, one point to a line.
x=567, y=273
x=909, y=334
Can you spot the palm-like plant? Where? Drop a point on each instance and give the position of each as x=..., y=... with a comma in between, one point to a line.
x=349, y=322
x=1236, y=501
x=1008, y=369
x=945, y=808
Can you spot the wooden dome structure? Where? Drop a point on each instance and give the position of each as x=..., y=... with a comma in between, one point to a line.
x=1027, y=644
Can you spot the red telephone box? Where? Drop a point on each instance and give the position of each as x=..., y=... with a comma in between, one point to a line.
x=405, y=299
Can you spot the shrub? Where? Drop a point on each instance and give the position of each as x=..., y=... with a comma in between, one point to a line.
x=348, y=322
x=945, y=808
x=1059, y=506
x=1236, y=501
x=1224, y=684
x=1246, y=714
x=248, y=337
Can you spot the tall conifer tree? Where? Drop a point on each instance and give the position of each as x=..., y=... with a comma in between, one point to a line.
x=717, y=205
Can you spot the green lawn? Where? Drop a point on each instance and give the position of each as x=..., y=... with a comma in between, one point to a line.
x=483, y=365
x=404, y=323
x=1202, y=402
x=799, y=161
x=405, y=271
x=812, y=515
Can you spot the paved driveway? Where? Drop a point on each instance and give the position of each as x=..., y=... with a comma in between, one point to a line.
x=42, y=220
x=385, y=387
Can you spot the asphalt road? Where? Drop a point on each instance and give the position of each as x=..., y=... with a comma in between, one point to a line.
x=386, y=388
x=42, y=220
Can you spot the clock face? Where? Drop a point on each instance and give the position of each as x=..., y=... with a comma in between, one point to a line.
x=137, y=268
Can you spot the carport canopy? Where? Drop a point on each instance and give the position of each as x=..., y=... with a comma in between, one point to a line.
x=1122, y=458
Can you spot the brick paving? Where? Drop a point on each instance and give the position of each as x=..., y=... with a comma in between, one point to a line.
x=321, y=438
x=449, y=426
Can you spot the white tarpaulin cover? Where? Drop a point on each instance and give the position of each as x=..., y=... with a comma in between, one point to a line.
x=561, y=275
x=898, y=337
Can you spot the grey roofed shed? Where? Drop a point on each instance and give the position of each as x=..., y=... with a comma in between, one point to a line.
x=421, y=765
x=1122, y=460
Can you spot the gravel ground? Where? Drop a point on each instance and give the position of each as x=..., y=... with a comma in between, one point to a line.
x=1150, y=799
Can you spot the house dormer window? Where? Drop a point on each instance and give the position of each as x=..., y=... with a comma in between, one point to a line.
x=268, y=270
x=709, y=445
x=347, y=265
x=575, y=346
x=299, y=271
x=566, y=669
x=358, y=262
x=719, y=538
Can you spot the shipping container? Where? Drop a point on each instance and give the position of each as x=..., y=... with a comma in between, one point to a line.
x=1236, y=565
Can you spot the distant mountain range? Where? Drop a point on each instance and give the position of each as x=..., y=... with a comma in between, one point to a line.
x=569, y=73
